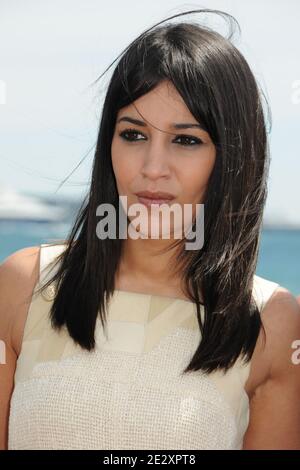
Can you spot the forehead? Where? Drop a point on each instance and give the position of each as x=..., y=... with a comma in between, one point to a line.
x=162, y=105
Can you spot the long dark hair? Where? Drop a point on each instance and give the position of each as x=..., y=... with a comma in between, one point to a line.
x=221, y=92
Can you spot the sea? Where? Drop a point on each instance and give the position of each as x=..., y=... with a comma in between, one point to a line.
x=279, y=253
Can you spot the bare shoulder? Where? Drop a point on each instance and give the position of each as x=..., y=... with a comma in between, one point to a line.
x=273, y=385
x=281, y=319
x=276, y=345
x=19, y=274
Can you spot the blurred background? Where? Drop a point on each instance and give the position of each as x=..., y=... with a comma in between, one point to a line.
x=52, y=51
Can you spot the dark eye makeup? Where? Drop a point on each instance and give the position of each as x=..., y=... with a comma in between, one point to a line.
x=128, y=134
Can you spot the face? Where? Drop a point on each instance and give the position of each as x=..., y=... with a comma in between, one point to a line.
x=154, y=155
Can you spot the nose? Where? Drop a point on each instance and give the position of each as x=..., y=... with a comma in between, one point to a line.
x=156, y=163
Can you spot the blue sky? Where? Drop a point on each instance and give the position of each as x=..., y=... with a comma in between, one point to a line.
x=51, y=51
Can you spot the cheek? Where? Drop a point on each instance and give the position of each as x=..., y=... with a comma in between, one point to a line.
x=195, y=175
x=122, y=166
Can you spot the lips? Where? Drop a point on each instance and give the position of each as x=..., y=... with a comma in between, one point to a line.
x=148, y=202
x=159, y=197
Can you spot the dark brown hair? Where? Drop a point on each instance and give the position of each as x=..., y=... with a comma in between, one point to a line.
x=220, y=90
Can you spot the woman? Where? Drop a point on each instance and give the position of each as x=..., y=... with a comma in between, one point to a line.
x=141, y=343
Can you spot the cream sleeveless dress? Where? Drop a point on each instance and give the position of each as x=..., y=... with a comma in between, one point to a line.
x=130, y=392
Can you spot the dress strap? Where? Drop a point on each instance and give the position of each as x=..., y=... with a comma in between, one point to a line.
x=48, y=255
x=263, y=290
x=37, y=329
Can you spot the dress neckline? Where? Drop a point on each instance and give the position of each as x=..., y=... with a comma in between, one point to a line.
x=157, y=296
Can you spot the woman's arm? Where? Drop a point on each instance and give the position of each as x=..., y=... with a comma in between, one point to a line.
x=18, y=275
x=275, y=403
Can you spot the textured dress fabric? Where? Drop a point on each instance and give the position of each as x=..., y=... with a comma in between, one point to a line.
x=130, y=392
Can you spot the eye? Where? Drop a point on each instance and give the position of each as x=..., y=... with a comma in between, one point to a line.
x=128, y=134
x=186, y=140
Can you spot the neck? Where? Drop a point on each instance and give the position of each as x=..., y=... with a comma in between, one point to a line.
x=144, y=264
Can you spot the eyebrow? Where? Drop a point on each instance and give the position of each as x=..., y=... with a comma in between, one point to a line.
x=186, y=125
